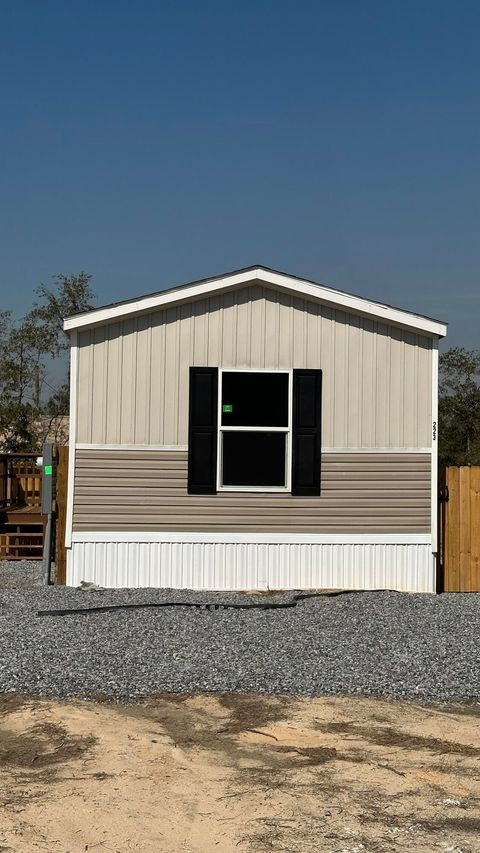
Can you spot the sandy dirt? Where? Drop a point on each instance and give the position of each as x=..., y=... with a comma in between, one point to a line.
x=238, y=773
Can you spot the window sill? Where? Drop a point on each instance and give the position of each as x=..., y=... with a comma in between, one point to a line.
x=259, y=489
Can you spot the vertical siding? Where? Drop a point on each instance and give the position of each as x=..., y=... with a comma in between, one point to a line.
x=172, y=373
x=114, y=390
x=133, y=375
x=100, y=378
x=157, y=380
x=245, y=565
x=369, y=373
x=397, y=367
x=354, y=405
x=125, y=429
x=86, y=389
x=327, y=362
x=142, y=395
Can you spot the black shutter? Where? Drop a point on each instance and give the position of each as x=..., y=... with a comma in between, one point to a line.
x=202, y=431
x=307, y=419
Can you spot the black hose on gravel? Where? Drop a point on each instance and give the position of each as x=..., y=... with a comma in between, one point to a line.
x=260, y=605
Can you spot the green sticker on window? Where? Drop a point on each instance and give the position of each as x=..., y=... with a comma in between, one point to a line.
x=48, y=470
x=227, y=407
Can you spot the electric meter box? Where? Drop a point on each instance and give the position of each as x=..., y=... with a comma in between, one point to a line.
x=49, y=478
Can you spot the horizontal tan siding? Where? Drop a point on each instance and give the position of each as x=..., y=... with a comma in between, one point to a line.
x=133, y=374
x=132, y=490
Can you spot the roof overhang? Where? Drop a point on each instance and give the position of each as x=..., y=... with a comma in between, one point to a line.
x=262, y=275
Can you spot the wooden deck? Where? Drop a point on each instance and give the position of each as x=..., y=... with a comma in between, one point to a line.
x=22, y=525
x=20, y=515
x=21, y=532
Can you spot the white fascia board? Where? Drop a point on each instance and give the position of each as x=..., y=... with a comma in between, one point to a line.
x=304, y=288
x=355, y=303
x=158, y=300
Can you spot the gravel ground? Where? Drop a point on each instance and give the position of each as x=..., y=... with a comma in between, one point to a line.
x=374, y=643
x=20, y=574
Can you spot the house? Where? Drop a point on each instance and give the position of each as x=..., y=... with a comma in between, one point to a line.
x=253, y=431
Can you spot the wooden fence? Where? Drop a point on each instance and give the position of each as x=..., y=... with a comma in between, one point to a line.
x=460, y=528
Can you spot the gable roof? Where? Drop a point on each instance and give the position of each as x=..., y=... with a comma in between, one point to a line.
x=263, y=275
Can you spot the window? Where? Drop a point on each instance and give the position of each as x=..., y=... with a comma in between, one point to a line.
x=254, y=430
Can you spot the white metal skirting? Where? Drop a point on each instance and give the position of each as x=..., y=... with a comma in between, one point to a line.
x=241, y=565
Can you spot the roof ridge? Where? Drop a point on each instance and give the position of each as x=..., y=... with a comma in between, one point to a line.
x=353, y=301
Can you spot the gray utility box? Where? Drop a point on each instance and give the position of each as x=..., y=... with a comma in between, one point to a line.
x=49, y=478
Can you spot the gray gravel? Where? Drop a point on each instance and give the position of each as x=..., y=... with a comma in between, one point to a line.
x=20, y=574
x=375, y=643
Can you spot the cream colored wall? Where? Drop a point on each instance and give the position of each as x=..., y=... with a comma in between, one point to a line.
x=133, y=375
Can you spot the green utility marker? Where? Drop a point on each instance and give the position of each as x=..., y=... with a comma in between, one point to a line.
x=227, y=407
x=48, y=470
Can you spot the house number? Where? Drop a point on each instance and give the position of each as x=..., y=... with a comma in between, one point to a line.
x=434, y=430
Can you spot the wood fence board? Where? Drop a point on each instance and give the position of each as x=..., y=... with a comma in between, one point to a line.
x=461, y=546
x=452, y=531
x=464, y=533
x=475, y=528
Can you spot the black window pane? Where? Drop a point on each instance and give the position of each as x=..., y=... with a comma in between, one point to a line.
x=255, y=399
x=254, y=459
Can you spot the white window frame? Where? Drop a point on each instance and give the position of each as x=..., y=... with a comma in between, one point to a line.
x=286, y=430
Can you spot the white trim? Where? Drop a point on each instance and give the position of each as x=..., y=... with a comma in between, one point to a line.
x=286, y=430
x=377, y=450
x=285, y=490
x=81, y=445
x=434, y=428
x=276, y=279
x=256, y=538
x=222, y=428
x=72, y=437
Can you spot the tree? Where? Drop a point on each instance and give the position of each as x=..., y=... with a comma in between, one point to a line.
x=459, y=407
x=54, y=425
x=25, y=351
x=71, y=294
x=16, y=427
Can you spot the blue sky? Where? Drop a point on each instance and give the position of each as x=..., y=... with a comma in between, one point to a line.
x=151, y=143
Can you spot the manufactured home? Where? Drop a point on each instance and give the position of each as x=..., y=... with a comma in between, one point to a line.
x=253, y=431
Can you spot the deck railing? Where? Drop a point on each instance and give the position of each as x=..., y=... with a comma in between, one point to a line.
x=20, y=480
x=21, y=520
